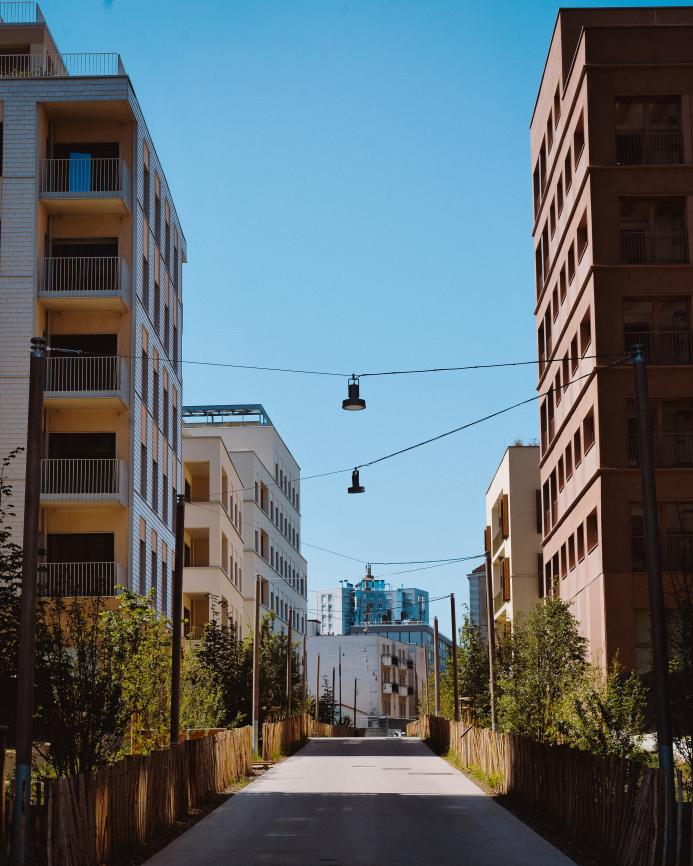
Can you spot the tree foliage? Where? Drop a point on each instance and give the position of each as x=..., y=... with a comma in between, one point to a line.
x=201, y=701
x=472, y=673
x=10, y=583
x=681, y=666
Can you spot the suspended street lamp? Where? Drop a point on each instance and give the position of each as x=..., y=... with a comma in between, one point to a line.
x=355, y=483
x=353, y=402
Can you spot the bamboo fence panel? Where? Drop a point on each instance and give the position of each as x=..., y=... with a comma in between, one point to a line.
x=279, y=738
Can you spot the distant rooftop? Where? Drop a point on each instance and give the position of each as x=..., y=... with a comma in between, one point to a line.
x=236, y=413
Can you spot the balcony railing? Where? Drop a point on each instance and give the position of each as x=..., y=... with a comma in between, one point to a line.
x=87, y=480
x=100, y=375
x=676, y=551
x=669, y=449
x=82, y=64
x=76, y=178
x=662, y=347
x=81, y=578
x=195, y=632
x=83, y=276
x=654, y=247
x=649, y=148
x=20, y=12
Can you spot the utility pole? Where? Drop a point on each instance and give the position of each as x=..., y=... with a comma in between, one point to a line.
x=436, y=664
x=304, y=690
x=177, y=617
x=317, y=690
x=660, y=655
x=256, y=669
x=428, y=703
x=289, y=660
x=21, y=841
x=333, y=673
x=491, y=631
x=340, y=683
x=455, y=678
x=355, y=683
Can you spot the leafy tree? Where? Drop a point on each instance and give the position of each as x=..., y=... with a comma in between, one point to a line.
x=680, y=633
x=604, y=714
x=473, y=676
x=326, y=704
x=10, y=583
x=201, y=704
x=548, y=660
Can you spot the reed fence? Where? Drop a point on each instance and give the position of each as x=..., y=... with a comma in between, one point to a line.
x=616, y=805
x=280, y=738
x=91, y=818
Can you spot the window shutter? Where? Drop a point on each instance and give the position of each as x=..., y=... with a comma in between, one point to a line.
x=505, y=517
x=506, y=579
x=539, y=528
x=487, y=539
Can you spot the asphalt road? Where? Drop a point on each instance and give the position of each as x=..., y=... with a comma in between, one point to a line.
x=361, y=802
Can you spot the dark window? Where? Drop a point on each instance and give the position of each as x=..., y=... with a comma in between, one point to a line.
x=164, y=498
x=157, y=220
x=143, y=471
x=145, y=191
x=143, y=567
x=155, y=486
x=175, y=348
x=164, y=587
x=165, y=423
x=174, y=424
x=155, y=388
x=167, y=330
x=145, y=284
x=157, y=307
x=145, y=377
x=154, y=576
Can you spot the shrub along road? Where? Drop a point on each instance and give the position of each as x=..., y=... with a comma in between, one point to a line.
x=361, y=802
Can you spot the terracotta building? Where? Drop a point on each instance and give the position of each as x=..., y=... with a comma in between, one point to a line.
x=612, y=147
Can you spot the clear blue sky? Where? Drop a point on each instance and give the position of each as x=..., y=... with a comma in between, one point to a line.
x=353, y=181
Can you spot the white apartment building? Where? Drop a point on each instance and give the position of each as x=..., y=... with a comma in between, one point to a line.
x=388, y=675
x=271, y=520
x=333, y=608
x=214, y=554
x=513, y=532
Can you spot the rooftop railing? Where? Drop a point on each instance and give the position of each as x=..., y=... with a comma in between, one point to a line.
x=81, y=578
x=79, y=64
x=20, y=12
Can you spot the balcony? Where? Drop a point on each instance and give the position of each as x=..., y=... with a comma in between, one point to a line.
x=20, y=12
x=95, y=480
x=79, y=64
x=81, y=578
x=84, y=282
x=669, y=449
x=676, y=551
x=649, y=148
x=662, y=347
x=84, y=382
x=86, y=186
x=644, y=247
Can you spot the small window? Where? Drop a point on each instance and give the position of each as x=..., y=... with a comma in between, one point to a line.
x=564, y=562
x=562, y=283
x=557, y=387
x=577, y=447
x=571, y=264
x=552, y=218
x=579, y=140
x=569, y=461
x=585, y=334
x=559, y=196
x=588, y=430
x=561, y=475
x=549, y=133
x=557, y=105
x=580, y=542
x=145, y=284
x=143, y=471
x=574, y=357
x=571, y=552
x=592, y=530
x=566, y=371
x=568, y=168
x=554, y=303
x=582, y=237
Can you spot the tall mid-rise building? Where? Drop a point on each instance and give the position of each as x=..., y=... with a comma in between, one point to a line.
x=612, y=148
x=91, y=260
x=477, y=600
x=513, y=533
x=270, y=524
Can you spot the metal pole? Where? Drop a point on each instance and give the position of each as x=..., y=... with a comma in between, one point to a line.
x=333, y=673
x=256, y=669
x=491, y=639
x=177, y=617
x=355, y=725
x=289, y=654
x=428, y=703
x=340, y=684
x=317, y=691
x=455, y=677
x=21, y=840
x=304, y=689
x=436, y=664
x=660, y=655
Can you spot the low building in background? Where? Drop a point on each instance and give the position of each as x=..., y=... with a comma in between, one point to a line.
x=389, y=676
x=513, y=533
x=333, y=608
x=411, y=633
x=478, y=616
x=268, y=487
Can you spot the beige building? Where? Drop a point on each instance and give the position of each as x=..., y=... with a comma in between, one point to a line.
x=513, y=533
x=91, y=259
x=611, y=148
x=267, y=485
x=213, y=573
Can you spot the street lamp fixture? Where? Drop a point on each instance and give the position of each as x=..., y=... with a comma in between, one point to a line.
x=354, y=403
x=355, y=483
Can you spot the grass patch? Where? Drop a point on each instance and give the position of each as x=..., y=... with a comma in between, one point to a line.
x=490, y=782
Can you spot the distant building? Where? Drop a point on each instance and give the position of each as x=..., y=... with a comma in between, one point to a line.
x=478, y=616
x=370, y=601
x=388, y=675
x=513, y=533
x=419, y=634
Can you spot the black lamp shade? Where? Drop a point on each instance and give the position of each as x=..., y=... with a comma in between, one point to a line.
x=355, y=484
x=353, y=403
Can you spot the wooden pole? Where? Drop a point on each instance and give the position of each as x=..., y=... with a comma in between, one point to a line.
x=305, y=673
x=436, y=664
x=455, y=678
x=355, y=725
x=340, y=683
x=289, y=654
x=491, y=638
x=428, y=703
x=256, y=669
x=333, y=675
x=177, y=619
x=3, y=745
x=317, y=690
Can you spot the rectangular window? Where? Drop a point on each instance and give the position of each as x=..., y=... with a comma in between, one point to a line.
x=554, y=303
x=143, y=567
x=175, y=348
x=145, y=377
x=566, y=371
x=157, y=220
x=155, y=486
x=580, y=542
x=167, y=330
x=164, y=587
x=557, y=105
x=588, y=430
x=145, y=191
x=564, y=562
x=571, y=552
x=563, y=282
x=592, y=531
x=569, y=461
x=585, y=333
x=579, y=140
x=574, y=357
x=174, y=425
x=145, y=284
x=582, y=237
x=154, y=575
x=559, y=195
x=157, y=307
x=557, y=387
x=571, y=264
x=561, y=475
x=155, y=390
x=568, y=173
x=165, y=419
x=577, y=448
x=143, y=471
x=164, y=498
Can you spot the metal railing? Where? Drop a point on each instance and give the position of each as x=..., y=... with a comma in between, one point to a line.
x=20, y=12
x=81, y=578
x=649, y=147
x=101, y=374
x=83, y=275
x=676, y=551
x=662, y=347
x=83, y=480
x=195, y=632
x=80, y=64
x=84, y=178
x=642, y=247
x=669, y=449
